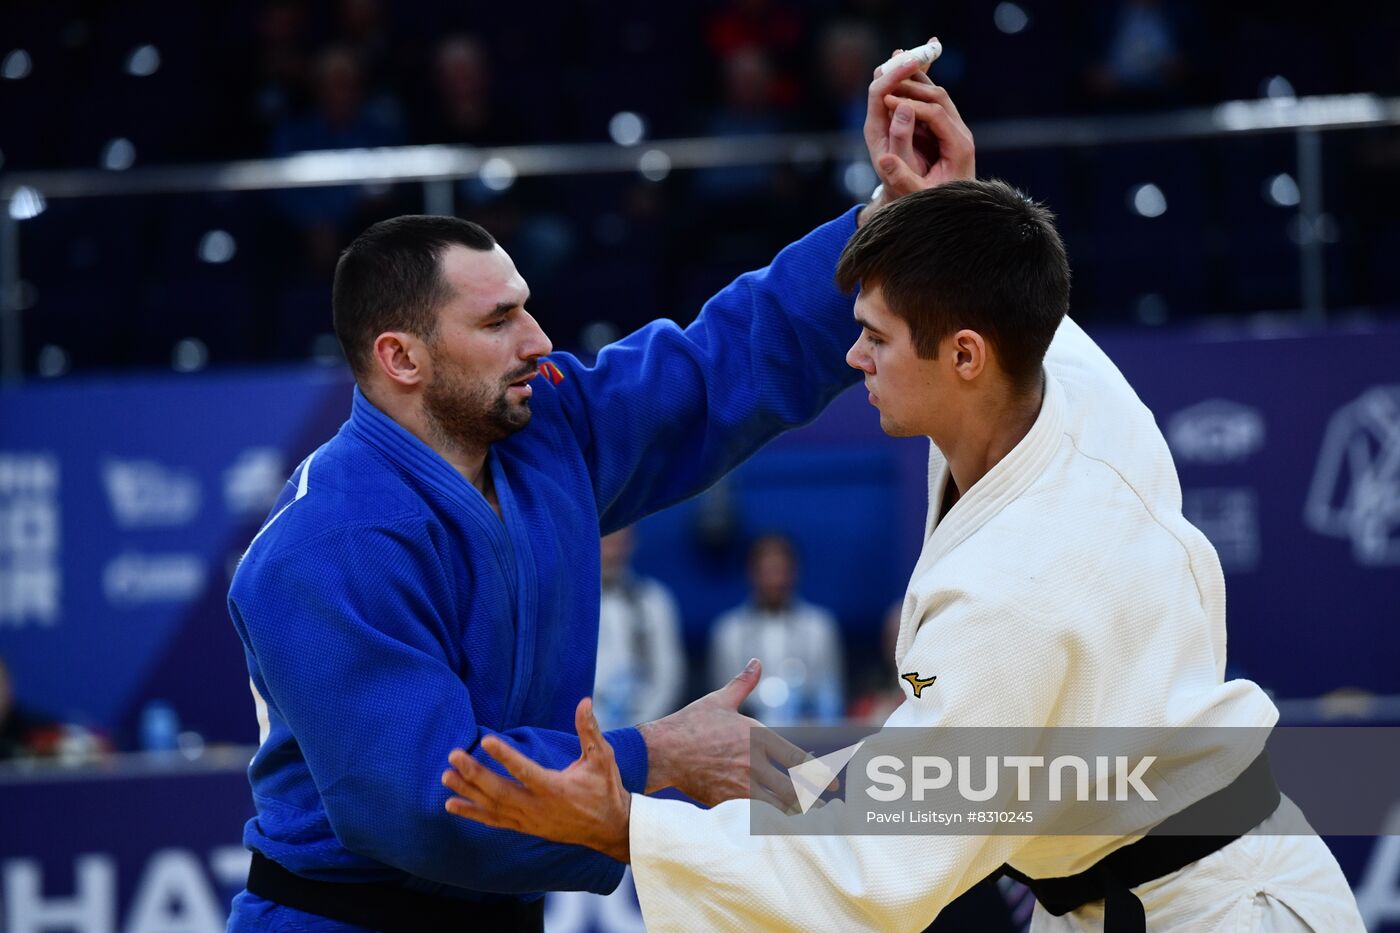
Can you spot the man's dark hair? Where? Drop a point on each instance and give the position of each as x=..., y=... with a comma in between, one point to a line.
x=974, y=254
x=390, y=278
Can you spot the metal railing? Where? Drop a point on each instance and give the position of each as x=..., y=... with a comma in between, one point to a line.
x=437, y=167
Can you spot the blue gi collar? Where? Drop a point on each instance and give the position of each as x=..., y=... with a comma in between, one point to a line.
x=400, y=445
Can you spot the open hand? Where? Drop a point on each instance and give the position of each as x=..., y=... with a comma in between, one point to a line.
x=703, y=750
x=585, y=804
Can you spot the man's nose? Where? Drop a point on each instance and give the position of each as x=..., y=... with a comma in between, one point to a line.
x=857, y=360
x=537, y=343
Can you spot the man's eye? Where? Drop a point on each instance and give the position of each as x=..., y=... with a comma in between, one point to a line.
x=873, y=340
x=497, y=325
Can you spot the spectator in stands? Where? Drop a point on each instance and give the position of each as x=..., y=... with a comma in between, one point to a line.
x=641, y=665
x=280, y=61
x=362, y=27
x=24, y=733
x=847, y=49
x=462, y=108
x=798, y=643
x=1143, y=61
x=344, y=117
x=747, y=110
x=770, y=28
x=774, y=192
x=882, y=694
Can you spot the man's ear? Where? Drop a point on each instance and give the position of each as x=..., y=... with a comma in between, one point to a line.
x=969, y=354
x=401, y=357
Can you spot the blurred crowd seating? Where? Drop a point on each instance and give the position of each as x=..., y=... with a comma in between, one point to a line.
x=1157, y=232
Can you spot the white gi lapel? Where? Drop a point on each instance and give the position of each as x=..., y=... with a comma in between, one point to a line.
x=988, y=496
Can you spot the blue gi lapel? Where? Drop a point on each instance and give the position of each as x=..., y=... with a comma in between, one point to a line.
x=526, y=587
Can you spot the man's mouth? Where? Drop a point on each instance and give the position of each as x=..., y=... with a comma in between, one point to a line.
x=522, y=385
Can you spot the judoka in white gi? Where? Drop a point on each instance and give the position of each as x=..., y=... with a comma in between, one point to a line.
x=1059, y=585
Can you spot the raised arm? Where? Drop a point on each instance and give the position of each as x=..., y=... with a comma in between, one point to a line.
x=667, y=411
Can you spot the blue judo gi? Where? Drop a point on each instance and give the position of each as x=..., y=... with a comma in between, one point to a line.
x=388, y=615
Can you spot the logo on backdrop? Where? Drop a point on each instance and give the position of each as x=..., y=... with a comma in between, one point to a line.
x=138, y=579
x=1355, y=492
x=1229, y=517
x=253, y=481
x=30, y=579
x=146, y=494
x=1216, y=431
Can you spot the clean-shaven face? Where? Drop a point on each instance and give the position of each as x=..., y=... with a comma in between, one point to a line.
x=485, y=352
x=905, y=388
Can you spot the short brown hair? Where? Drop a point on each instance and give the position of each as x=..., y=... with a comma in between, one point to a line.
x=974, y=254
x=390, y=278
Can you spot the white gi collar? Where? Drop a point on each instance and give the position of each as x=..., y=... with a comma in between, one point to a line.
x=1010, y=477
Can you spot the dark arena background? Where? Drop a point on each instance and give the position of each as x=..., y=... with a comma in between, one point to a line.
x=177, y=180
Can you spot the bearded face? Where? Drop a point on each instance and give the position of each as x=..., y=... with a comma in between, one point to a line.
x=471, y=412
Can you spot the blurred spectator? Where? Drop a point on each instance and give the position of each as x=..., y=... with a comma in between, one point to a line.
x=362, y=28
x=768, y=27
x=344, y=117
x=462, y=108
x=747, y=110
x=883, y=694
x=27, y=733
x=282, y=60
x=1143, y=61
x=798, y=643
x=641, y=665
x=849, y=50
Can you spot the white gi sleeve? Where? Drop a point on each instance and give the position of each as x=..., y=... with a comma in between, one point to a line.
x=703, y=869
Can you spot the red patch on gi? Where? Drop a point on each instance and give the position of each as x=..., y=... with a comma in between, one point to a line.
x=551, y=372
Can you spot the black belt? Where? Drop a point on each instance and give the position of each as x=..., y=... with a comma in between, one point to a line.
x=386, y=907
x=1248, y=800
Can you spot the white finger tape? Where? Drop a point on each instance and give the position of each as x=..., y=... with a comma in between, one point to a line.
x=925, y=54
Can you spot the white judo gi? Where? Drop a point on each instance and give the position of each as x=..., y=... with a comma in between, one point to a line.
x=1063, y=589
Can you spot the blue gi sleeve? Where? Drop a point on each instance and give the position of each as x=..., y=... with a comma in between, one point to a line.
x=665, y=412
x=353, y=637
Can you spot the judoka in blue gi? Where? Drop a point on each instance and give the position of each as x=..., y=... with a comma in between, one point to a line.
x=429, y=575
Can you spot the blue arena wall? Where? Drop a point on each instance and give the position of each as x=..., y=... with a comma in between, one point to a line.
x=124, y=505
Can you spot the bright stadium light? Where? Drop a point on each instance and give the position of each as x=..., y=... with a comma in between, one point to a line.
x=143, y=61
x=17, y=65
x=627, y=128
x=189, y=356
x=1282, y=191
x=118, y=155
x=498, y=174
x=53, y=361
x=773, y=691
x=1279, y=88
x=217, y=246
x=859, y=180
x=1010, y=18
x=26, y=203
x=654, y=165
x=1147, y=200
x=325, y=350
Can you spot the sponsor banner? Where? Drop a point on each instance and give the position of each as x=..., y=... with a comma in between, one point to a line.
x=1078, y=781
x=152, y=844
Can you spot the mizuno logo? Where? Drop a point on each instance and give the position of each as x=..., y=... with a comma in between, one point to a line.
x=917, y=682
